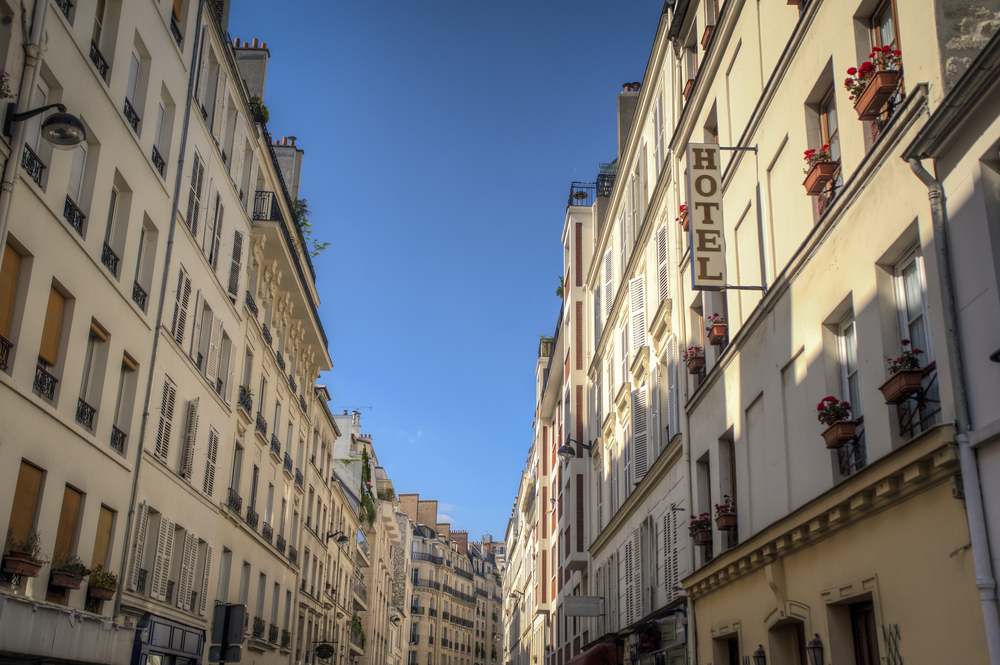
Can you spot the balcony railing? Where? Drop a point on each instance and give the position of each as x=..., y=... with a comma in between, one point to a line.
x=45, y=383
x=582, y=194
x=268, y=532
x=279, y=544
x=252, y=518
x=356, y=641
x=463, y=573
x=424, y=556
x=179, y=38
x=245, y=401
x=261, y=424
x=110, y=259
x=415, y=609
x=159, y=162
x=266, y=208
x=118, y=440
x=65, y=6
x=606, y=178
x=360, y=590
x=5, y=347
x=427, y=584
x=251, y=305
x=293, y=554
x=291, y=382
x=286, y=638
x=275, y=445
x=85, y=414
x=272, y=634
x=298, y=477
x=99, y=61
x=131, y=115
x=302, y=403
x=33, y=164
x=258, y=627
x=139, y=296
x=234, y=501
x=73, y=214
x=446, y=616
x=432, y=612
x=140, y=584
x=281, y=361
x=288, y=462
x=266, y=333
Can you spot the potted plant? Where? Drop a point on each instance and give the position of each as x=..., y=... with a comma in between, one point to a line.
x=836, y=415
x=101, y=584
x=873, y=83
x=24, y=556
x=682, y=218
x=695, y=359
x=905, y=377
x=68, y=571
x=725, y=514
x=820, y=171
x=717, y=329
x=701, y=529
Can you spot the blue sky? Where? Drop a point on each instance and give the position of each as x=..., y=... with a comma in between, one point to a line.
x=440, y=141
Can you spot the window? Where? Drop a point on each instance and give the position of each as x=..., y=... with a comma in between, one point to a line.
x=94, y=361
x=234, y=483
x=254, y=478
x=102, y=542
x=222, y=595
x=33, y=127
x=48, y=352
x=244, y=584
x=194, y=195
x=848, y=351
x=23, y=511
x=911, y=297
x=74, y=189
x=864, y=633
x=69, y=517
x=130, y=100
x=213, y=238
x=9, y=272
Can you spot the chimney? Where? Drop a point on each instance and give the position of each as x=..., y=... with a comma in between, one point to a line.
x=252, y=62
x=290, y=162
x=627, y=102
x=461, y=538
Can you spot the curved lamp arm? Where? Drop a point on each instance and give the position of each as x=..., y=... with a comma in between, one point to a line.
x=13, y=117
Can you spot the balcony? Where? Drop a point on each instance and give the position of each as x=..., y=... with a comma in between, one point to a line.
x=293, y=554
x=85, y=414
x=582, y=194
x=268, y=532
x=139, y=296
x=288, y=463
x=272, y=634
x=261, y=425
x=5, y=347
x=414, y=639
x=73, y=214
x=427, y=584
x=360, y=594
x=279, y=544
x=446, y=616
x=463, y=573
x=298, y=479
x=432, y=612
x=131, y=116
x=179, y=38
x=251, y=305
x=364, y=550
x=356, y=642
x=258, y=628
x=267, y=334
x=275, y=446
x=159, y=163
x=286, y=638
x=65, y=6
x=45, y=383
x=234, y=501
x=33, y=164
x=281, y=362
x=415, y=609
x=110, y=259
x=252, y=518
x=266, y=208
x=291, y=382
x=484, y=593
x=245, y=401
x=424, y=556
x=99, y=61
x=302, y=403
x=118, y=440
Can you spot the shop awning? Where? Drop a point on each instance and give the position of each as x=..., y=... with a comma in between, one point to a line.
x=601, y=654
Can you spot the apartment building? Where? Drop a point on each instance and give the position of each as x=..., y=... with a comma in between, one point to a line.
x=525, y=611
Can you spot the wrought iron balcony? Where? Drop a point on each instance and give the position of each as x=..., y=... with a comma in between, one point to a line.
x=252, y=518
x=140, y=585
x=117, y=440
x=73, y=215
x=139, y=296
x=110, y=259
x=245, y=401
x=179, y=38
x=275, y=445
x=463, y=573
x=298, y=477
x=33, y=164
x=416, y=609
x=170, y=591
x=288, y=462
x=258, y=627
x=261, y=424
x=291, y=382
x=131, y=115
x=302, y=403
x=65, y=6
x=432, y=612
x=99, y=61
x=268, y=532
x=266, y=333
x=85, y=414
x=582, y=194
x=279, y=544
x=234, y=501
x=281, y=361
x=446, y=616
x=293, y=554
x=45, y=383
x=159, y=162
x=251, y=305
x=286, y=638
x=360, y=590
x=606, y=178
x=5, y=347
x=272, y=634
x=266, y=208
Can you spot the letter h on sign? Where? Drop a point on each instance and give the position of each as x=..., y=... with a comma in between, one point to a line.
x=704, y=195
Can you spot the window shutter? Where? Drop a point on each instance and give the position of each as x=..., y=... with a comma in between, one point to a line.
x=252, y=183
x=645, y=185
x=203, y=602
x=236, y=265
x=637, y=302
x=181, y=300
x=629, y=584
x=236, y=160
x=184, y=578
x=9, y=271
x=166, y=419
x=133, y=78
x=161, y=560
x=613, y=576
x=211, y=457
x=636, y=575
x=203, y=75
x=662, y=277
x=194, y=196
x=673, y=421
x=623, y=349
x=218, y=238
x=138, y=542
x=661, y=155
x=600, y=500
x=597, y=314
x=627, y=450
x=76, y=173
x=639, y=434
x=219, y=115
x=668, y=578
x=212, y=367
x=654, y=409
x=196, y=323
x=48, y=352
x=231, y=380
x=609, y=282
x=190, y=439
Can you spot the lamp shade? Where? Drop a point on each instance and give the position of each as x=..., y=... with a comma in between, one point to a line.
x=64, y=131
x=759, y=657
x=814, y=649
x=566, y=453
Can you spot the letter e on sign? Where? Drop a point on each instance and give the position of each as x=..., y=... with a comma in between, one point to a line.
x=704, y=195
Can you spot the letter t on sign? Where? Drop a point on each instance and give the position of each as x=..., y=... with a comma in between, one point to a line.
x=704, y=195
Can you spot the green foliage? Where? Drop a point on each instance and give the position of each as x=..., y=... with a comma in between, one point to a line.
x=264, y=115
x=102, y=578
x=32, y=545
x=70, y=563
x=246, y=391
x=387, y=494
x=562, y=287
x=357, y=630
x=301, y=210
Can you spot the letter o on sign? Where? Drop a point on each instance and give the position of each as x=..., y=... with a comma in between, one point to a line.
x=702, y=189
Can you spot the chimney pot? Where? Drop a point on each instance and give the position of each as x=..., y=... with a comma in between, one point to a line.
x=264, y=45
x=246, y=45
x=255, y=42
x=236, y=42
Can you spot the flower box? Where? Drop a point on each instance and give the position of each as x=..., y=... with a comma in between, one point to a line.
x=100, y=593
x=901, y=385
x=840, y=433
x=726, y=522
x=685, y=223
x=20, y=563
x=695, y=365
x=819, y=175
x=688, y=87
x=703, y=537
x=877, y=92
x=65, y=580
x=717, y=333
x=707, y=37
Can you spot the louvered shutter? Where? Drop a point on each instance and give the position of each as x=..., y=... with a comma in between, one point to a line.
x=654, y=410
x=636, y=575
x=198, y=318
x=138, y=542
x=609, y=282
x=184, y=578
x=181, y=300
x=219, y=116
x=601, y=629
x=203, y=76
x=194, y=195
x=231, y=380
x=236, y=159
x=166, y=419
x=600, y=500
x=211, y=457
x=627, y=449
x=673, y=420
x=252, y=183
x=597, y=315
x=161, y=560
x=629, y=584
x=637, y=306
x=668, y=580
x=615, y=611
x=235, y=267
x=645, y=185
x=203, y=601
x=190, y=439
x=639, y=435
x=76, y=173
x=212, y=368
x=662, y=277
x=218, y=238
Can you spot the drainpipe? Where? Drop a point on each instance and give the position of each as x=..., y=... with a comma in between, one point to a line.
x=985, y=581
x=32, y=58
x=159, y=314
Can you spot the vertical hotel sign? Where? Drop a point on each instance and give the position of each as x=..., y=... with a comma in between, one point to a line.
x=704, y=195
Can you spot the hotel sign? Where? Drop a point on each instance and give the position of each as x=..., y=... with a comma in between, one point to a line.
x=704, y=195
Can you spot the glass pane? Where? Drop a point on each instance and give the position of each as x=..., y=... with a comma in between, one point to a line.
x=832, y=135
x=886, y=27
x=914, y=291
x=850, y=349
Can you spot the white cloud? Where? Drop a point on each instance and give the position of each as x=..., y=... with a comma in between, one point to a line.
x=442, y=518
x=446, y=506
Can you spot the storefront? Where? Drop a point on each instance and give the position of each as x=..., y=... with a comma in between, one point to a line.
x=160, y=641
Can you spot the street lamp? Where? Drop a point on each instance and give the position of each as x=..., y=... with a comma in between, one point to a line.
x=759, y=658
x=339, y=535
x=63, y=130
x=815, y=650
x=566, y=451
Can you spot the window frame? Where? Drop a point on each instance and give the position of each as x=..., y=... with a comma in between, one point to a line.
x=849, y=323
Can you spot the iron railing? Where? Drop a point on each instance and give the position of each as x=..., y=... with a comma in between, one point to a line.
x=140, y=585
x=293, y=554
x=73, y=214
x=258, y=627
x=251, y=305
x=245, y=401
x=99, y=61
x=606, y=178
x=582, y=194
x=261, y=424
x=117, y=440
x=266, y=208
x=33, y=164
x=266, y=333
x=298, y=477
x=159, y=162
x=427, y=584
x=275, y=445
x=272, y=634
x=279, y=544
x=110, y=259
x=302, y=403
x=131, y=115
x=234, y=500
x=85, y=414
x=432, y=612
x=5, y=347
x=416, y=609
x=286, y=638
x=179, y=38
x=252, y=518
x=65, y=6
x=424, y=556
x=139, y=296
x=360, y=590
x=291, y=382
x=363, y=545
x=45, y=383
x=463, y=573
x=288, y=462
x=268, y=532
x=281, y=361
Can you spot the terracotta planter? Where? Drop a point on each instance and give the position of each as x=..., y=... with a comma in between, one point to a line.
x=65, y=580
x=840, y=433
x=819, y=175
x=695, y=365
x=688, y=87
x=902, y=385
x=726, y=522
x=717, y=333
x=707, y=37
x=19, y=563
x=685, y=222
x=880, y=88
x=100, y=593
x=703, y=537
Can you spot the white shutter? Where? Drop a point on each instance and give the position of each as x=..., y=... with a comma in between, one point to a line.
x=218, y=237
x=637, y=304
x=196, y=323
x=212, y=367
x=609, y=282
x=211, y=457
x=203, y=76
x=600, y=499
x=161, y=560
x=613, y=567
x=236, y=266
x=184, y=579
x=662, y=277
x=166, y=419
x=639, y=435
x=219, y=116
x=236, y=159
x=252, y=183
x=654, y=409
x=33, y=129
x=231, y=380
x=627, y=449
x=203, y=601
x=138, y=542
x=181, y=300
x=668, y=577
x=190, y=439
x=636, y=575
x=673, y=420
x=133, y=79
x=629, y=584
x=194, y=195
x=75, y=187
